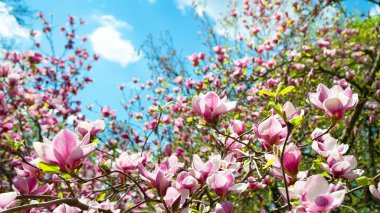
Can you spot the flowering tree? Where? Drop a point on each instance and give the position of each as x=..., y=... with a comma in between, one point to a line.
x=281, y=116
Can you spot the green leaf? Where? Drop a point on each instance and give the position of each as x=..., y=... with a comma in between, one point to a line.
x=48, y=168
x=101, y=197
x=271, y=94
x=60, y=195
x=166, y=105
x=66, y=176
x=279, y=87
x=296, y=121
x=287, y=90
x=269, y=163
x=364, y=181
x=277, y=108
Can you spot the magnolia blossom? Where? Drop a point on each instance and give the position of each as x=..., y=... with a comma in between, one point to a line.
x=175, y=198
x=328, y=147
x=127, y=162
x=375, y=192
x=290, y=111
x=225, y=207
x=64, y=208
x=186, y=181
x=6, y=199
x=315, y=194
x=335, y=101
x=222, y=182
x=29, y=185
x=342, y=166
x=210, y=106
x=316, y=135
x=65, y=150
x=159, y=179
x=200, y=170
x=292, y=159
x=90, y=126
x=270, y=132
x=237, y=127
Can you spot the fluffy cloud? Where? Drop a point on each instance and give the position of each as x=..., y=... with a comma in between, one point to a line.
x=215, y=9
x=375, y=11
x=9, y=27
x=107, y=41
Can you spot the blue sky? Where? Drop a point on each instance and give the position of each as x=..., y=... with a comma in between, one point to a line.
x=117, y=28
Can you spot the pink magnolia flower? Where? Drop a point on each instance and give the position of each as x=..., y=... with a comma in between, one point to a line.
x=292, y=159
x=222, y=182
x=342, y=166
x=29, y=185
x=65, y=150
x=186, y=181
x=6, y=199
x=201, y=170
x=316, y=134
x=335, y=101
x=127, y=162
x=64, y=208
x=270, y=132
x=290, y=111
x=159, y=179
x=225, y=207
x=375, y=192
x=237, y=127
x=210, y=106
x=175, y=198
x=328, y=147
x=317, y=196
x=90, y=126
x=28, y=170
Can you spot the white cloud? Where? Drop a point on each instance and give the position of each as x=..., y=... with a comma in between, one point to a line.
x=375, y=11
x=9, y=27
x=107, y=41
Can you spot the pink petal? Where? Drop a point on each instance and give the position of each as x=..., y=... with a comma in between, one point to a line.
x=65, y=142
x=334, y=107
x=7, y=198
x=45, y=152
x=315, y=185
x=212, y=100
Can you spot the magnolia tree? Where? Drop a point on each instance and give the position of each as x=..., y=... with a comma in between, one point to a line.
x=279, y=115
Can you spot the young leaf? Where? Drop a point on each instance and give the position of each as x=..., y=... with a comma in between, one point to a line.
x=287, y=90
x=364, y=181
x=269, y=163
x=48, y=168
x=296, y=121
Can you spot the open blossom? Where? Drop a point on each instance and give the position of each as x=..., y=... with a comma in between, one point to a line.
x=186, y=181
x=316, y=135
x=375, y=192
x=222, y=182
x=127, y=162
x=290, y=111
x=65, y=150
x=29, y=185
x=28, y=170
x=90, y=126
x=159, y=179
x=328, y=147
x=210, y=106
x=64, y=208
x=6, y=199
x=225, y=207
x=317, y=195
x=201, y=170
x=270, y=132
x=342, y=166
x=175, y=198
x=237, y=127
x=335, y=101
